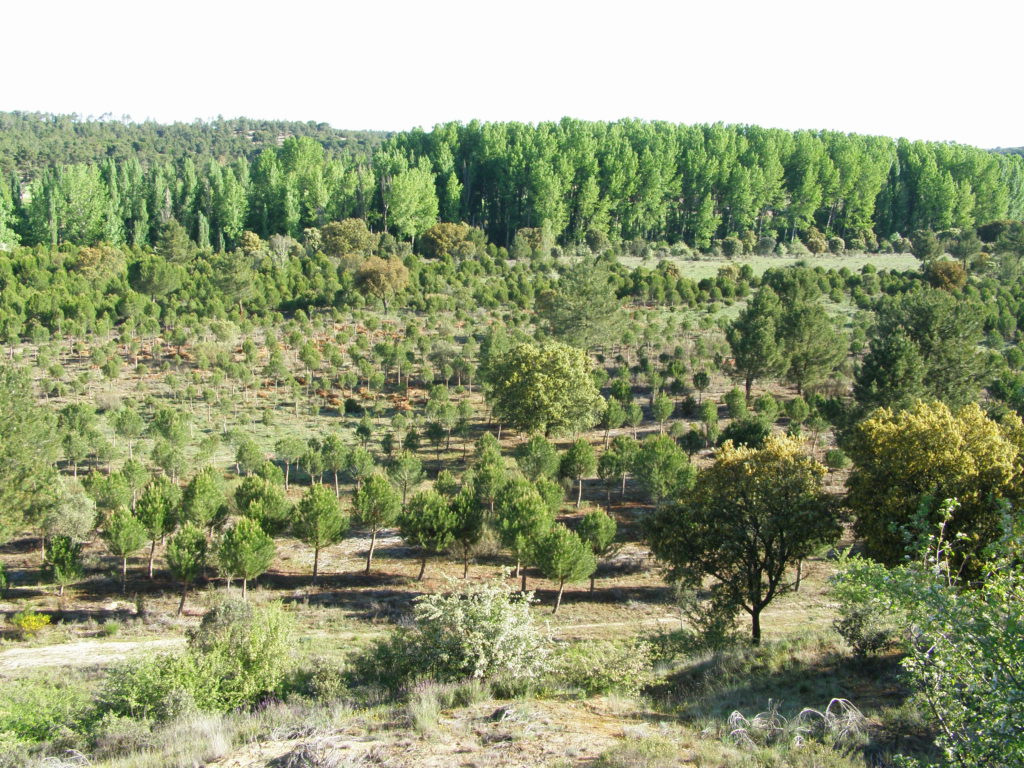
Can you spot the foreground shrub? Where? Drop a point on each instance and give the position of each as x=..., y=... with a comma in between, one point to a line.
x=604, y=666
x=481, y=631
x=237, y=656
x=41, y=708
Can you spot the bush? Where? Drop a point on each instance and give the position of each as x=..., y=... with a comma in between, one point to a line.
x=41, y=708
x=603, y=666
x=29, y=622
x=237, y=656
x=479, y=631
x=836, y=459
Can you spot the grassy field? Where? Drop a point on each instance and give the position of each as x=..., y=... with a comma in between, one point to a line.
x=708, y=266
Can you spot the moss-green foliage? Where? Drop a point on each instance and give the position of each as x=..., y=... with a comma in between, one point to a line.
x=603, y=666
x=41, y=707
x=237, y=655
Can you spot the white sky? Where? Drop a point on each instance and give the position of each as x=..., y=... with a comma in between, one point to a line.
x=926, y=70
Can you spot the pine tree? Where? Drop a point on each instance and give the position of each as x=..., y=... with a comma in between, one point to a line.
x=319, y=522
x=245, y=551
x=125, y=534
x=563, y=557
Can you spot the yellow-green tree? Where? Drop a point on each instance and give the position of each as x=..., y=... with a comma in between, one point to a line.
x=545, y=388
x=908, y=462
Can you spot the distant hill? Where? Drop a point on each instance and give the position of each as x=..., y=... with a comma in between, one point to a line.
x=1009, y=150
x=31, y=141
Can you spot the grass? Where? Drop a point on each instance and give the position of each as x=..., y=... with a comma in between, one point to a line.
x=708, y=266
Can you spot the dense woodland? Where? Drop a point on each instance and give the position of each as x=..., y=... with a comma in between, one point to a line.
x=84, y=182
x=263, y=378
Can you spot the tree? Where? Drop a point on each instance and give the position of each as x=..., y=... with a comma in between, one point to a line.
x=319, y=522
x=545, y=388
x=406, y=472
x=930, y=336
x=753, y=339
x=662, y=409
x=63, y=562
x=597, y=529
x=265, y=503
x=583, y=310
x=537, y=458
x=377, y=505
x=186, y=557
x=202, y=503
x=907, y=462
x=811, y=344
x=522, y=518
x=578, y=462
x=347, y=237
x=156, y=510
x=245, y=551
x=469, y=524
x=412, y=201
x=750, y=516
x=428, y=523
x=128, y=425
x=701, y=381
x=289, y=450
x=662, y=468
x=125, y=535
x=563, y=557
x=617, y=462
x=382, y=278
x=28, y=448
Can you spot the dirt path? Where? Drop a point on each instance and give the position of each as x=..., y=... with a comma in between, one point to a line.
x=81, y=654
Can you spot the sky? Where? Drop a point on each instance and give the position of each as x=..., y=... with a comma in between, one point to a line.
x=938, y=71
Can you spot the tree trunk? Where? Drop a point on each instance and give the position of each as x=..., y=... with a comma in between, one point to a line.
x=465, y=566
x=799, y=574
x=423, y=567
x=124, y=575
x=522, y=584
x=245, y=590
x=369, y=555
x=558, y=600
x=316, y=563
x=181, y=605
x=152, y=552
x=579, y=492
x=592, y=583
x=755, y=626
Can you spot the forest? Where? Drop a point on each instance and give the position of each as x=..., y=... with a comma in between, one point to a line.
x=622, y=445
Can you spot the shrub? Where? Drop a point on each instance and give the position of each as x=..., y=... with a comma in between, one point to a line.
x=603, y=666
x=236, y=656
x=41, y=708
x=836, y=459
x=478, y=631
x=29, y=622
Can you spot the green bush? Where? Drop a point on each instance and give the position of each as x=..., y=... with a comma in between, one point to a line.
x=237, y=655
x=41, y=708
x=603, y=666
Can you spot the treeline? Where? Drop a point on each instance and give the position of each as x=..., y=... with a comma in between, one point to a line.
x=570, y=182
x=31, y=142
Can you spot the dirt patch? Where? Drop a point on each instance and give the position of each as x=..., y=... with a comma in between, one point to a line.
x=81, y=654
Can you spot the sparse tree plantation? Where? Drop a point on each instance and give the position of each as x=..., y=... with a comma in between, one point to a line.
x=472, y=432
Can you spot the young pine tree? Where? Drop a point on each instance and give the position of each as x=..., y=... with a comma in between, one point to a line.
x=245, y=551
x=186, y=557
x=125, y=535
x=563, y=557
x=320, y=522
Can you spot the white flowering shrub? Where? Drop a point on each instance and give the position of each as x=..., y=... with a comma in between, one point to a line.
x=482, y=631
